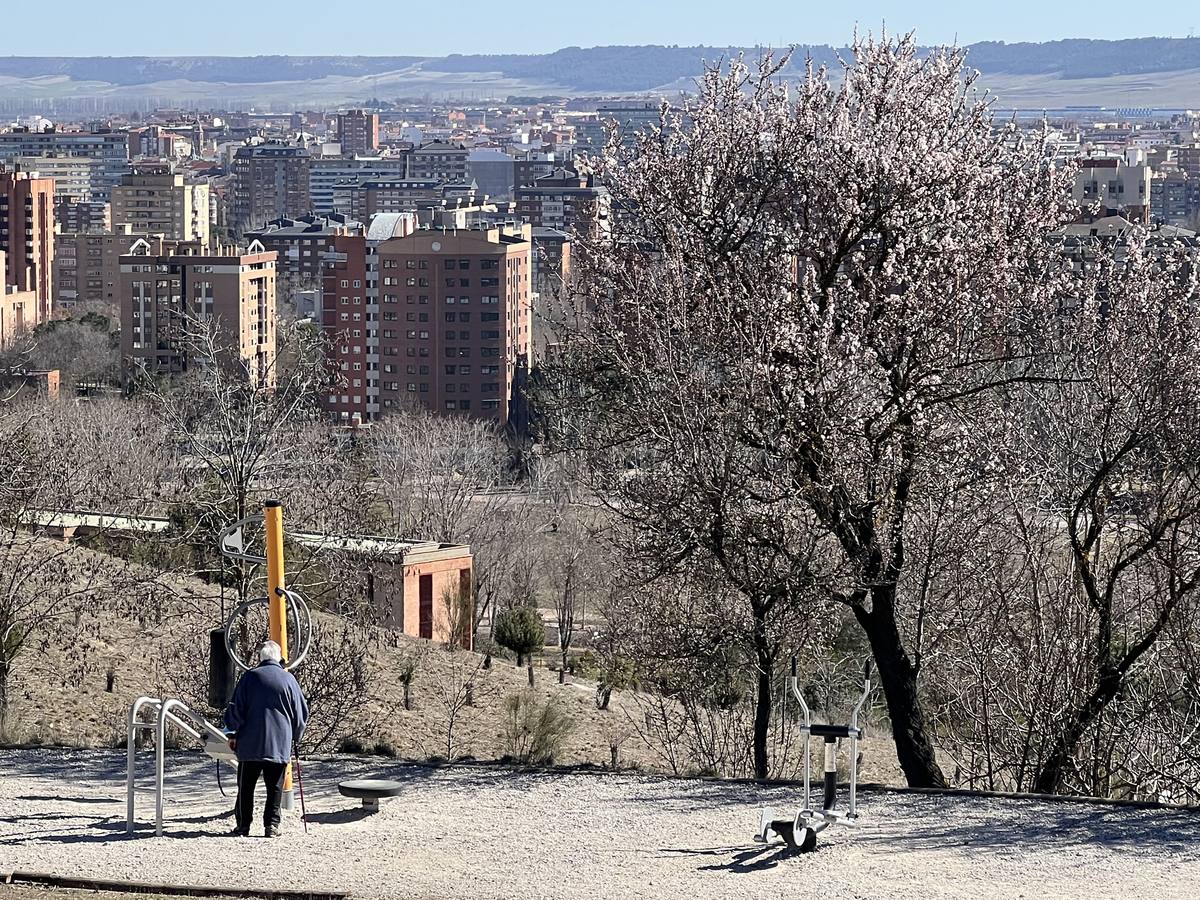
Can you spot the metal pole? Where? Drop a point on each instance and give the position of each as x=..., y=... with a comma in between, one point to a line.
x=277, y=605
x=160, y=744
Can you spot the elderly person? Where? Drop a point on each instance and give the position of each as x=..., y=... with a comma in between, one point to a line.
x=266, y=717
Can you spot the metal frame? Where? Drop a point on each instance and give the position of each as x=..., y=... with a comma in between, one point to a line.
x=817, y=821
x=174, y=712
x=303, y=618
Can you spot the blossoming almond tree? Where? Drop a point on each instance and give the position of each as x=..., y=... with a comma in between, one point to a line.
x=806, y=295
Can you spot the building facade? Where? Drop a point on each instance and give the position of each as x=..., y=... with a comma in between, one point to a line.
x=271, y=182
x=91, y=163
x=300, y=245
x=154, y=199
x=27, y=237
x=166, y=297
x=358, y=132
x=87, y=265
x=567, y=201
x=454, y=324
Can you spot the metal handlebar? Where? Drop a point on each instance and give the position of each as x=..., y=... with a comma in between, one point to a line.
x=238, y=550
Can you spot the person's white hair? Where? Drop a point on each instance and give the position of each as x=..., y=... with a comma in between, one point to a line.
x=270, y=652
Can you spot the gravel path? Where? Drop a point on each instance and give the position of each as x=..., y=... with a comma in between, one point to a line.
x=474, y=833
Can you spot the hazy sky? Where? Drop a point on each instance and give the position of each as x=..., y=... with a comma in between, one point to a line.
x=413, y=27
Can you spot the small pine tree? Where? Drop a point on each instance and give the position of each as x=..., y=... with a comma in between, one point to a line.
x=520, y=629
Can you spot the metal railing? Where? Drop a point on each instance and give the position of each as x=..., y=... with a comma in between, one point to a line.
x=173, y=712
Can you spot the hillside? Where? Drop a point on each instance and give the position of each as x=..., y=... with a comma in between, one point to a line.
x=154, y=639
x=1074, y=70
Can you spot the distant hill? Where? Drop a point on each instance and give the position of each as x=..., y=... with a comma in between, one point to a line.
x=1056, y=69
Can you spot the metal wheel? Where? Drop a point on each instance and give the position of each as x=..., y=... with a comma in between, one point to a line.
x=250, y=618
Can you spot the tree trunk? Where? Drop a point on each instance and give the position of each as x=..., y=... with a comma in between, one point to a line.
x=407, y=695
x=531, y=673
x=762, y=703
x=5, y=672
x=898, y=676
x=1050, y=777
x=562, y=673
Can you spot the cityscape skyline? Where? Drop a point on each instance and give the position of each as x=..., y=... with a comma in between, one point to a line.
x=326, y=30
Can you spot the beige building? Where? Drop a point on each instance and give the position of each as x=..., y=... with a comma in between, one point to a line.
x=18, y=309
x=164, y=296
x=1110, y=186
x=155, y=200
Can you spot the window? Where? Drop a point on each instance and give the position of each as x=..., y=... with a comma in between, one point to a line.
x=412, y=387
x=489, y=282
x=451, y=335
x=464, y=404
x=424, y=335
x=450, y=369
x=424, y=298
x=422, y=317
x=463, y=370
x=464, y=264
x=464, y=282
x=489, y=335
x=411, y=316
x=345, y=283
x=490, y=387
x=450, y=404
x=450, y=388
x=464, y=317
x=489, y=317
x=488, y=264
x=451, y=301
x=450, y=282
x=410, y=264
x=451, y=263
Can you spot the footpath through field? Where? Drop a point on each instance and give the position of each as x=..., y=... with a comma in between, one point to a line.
x=483, y=833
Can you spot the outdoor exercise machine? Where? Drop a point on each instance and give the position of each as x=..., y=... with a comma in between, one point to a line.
x=155, y=715
x=800, y=832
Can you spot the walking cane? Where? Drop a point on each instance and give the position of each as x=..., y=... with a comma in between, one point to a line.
x=300, y=785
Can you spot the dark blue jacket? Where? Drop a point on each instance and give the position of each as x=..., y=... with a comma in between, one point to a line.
x=268, y=713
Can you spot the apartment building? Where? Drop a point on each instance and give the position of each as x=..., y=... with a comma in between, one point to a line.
x=75, y=214
x=358, y=132
x=439, y=161
x=271, y=181
x=628, y=116
x=300, y=245
x=87, y=265
x=154, y=199
x=454, y=321
x=164, y=297
x=568, y=201
x=1111, y=186
x=89, y=164
x=27, y=237
x=332, y=181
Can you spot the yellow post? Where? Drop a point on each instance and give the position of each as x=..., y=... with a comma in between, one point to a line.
x=277, y=607
x=277, y=604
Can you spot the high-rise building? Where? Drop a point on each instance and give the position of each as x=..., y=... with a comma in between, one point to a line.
x=627, y=116
x=27, y=236
x=271, y=183
x=358, y=132
x=77, y=215
x=439, y=161
x=332, y=180
x=163, y=297
x=87, y=164
x=154, y=199
x=454, y=321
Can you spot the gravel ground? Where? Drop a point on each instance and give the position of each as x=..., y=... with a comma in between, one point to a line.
x=483, y=833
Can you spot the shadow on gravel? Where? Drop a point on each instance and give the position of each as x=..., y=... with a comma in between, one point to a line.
x=338, y=817
x=743, y=860
x=1032, y=825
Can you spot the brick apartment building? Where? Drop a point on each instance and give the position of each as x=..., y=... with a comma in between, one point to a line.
x=87, y=265
x=454, y=324
x=568, y=201
x=301, y=243
x=430, y=317
x=358, y=132
x=154, y=199
x=164, y=295
x=271, y=182
x=27, y=237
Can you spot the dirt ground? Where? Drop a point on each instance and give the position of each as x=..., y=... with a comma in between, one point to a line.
x=484, y=833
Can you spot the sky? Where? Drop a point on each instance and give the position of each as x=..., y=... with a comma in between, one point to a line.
x=421, y=28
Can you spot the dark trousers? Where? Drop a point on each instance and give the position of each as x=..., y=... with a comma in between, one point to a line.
x=249, y=772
